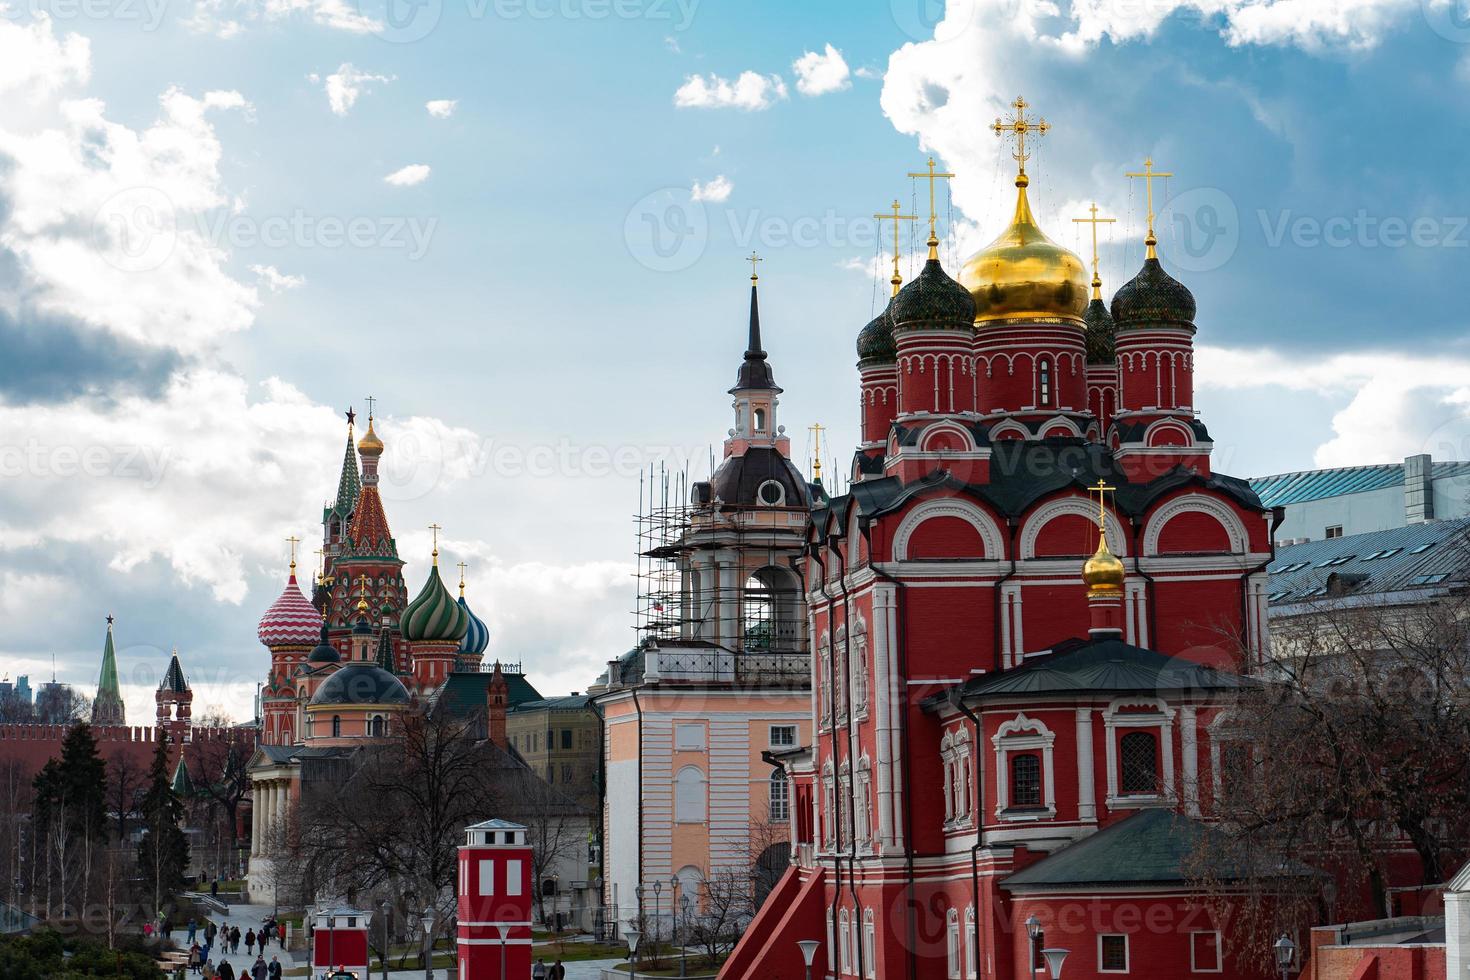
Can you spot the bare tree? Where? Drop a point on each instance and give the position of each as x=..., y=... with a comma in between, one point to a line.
x=726, y=910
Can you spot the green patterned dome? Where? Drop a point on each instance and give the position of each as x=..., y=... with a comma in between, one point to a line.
x=434, y=616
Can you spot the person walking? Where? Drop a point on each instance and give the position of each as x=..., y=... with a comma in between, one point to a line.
x=193, y=928
x=214, y=887
x=273, y=972
x=249, y=941
x=194, y=960
x=207, y=971
x=226, y=972
x=538, y=972
x=257, y=972
x=235, y=939
x=558, y=972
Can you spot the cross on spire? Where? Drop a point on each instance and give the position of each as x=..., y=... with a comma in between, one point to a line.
x=320, y=571
x=1018, y=128
x=895, y=217
x=462, y=567
x=816, y=429
x=932, y=175
x=292, y=542
x=753, y=259
x=1148, y=175
x=435, y=529
x=1094, y=221
x=371, y=402
x=1101, y=489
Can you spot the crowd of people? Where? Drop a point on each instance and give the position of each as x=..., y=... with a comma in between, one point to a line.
x=229, y=939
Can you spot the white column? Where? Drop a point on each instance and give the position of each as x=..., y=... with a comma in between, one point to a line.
x=255, y=820
x=1189, y=745
x=1086, y=791
x=281, y=803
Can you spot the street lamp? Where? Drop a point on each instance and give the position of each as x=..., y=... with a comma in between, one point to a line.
x=1285, y=954
x=504, y=931
x=674, y=906
x=384, y=907
x=658, y=887
x=632, y=934
x=808, y=953
x=1034, y=930
x=1054, y=959
x=427, y=920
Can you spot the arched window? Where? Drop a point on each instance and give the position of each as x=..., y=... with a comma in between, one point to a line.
x=952, y=943
x=1043, y=382
x=1026, y=779
x=760, y=420
x=689, y=800
x=780, y=796
x=1138, y=762
x=336, y=726
x=375, y=727
x=771, y=611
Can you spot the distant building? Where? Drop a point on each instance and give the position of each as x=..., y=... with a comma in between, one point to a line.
x=23, y=688
x=1359, y=499
x=561, y=740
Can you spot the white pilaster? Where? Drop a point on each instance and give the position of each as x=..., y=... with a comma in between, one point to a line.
x=1189, y=746
x=1086, y=790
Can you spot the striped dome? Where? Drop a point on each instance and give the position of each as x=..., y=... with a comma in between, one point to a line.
x=476, y=637
x=434, y=616
x=291, y=621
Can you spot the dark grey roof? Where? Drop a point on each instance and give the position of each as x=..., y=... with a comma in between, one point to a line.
x=1151, y=847
x=1152, y=298
x=323, y=652
x=1294, y=488
x=754, y=371
x=463, y=693
x=875, y=344
x=1429, y=557
x=361, y=683
x=569, y=702
x=933, y=298
x=173, y=677
x=1101, y=332
x=738, y=479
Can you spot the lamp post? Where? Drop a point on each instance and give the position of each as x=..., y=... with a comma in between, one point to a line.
x=632, y=934
x=658, y=887
x=1036, y=933
x=1285, y=955
x=808, y=949
x=1054, y=959
x=427, y=919
x=383, y=908
x=674, y=936
x=504, y=931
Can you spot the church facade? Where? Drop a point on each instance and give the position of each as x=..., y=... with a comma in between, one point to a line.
x=1028, y=613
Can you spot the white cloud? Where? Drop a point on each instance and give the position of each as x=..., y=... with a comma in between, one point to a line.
x=346, y=85
x=715, y=191
x=275, y=280
x=34, y=62
x=414, y=173
x=750, y=92
x=441, y=108
x=230, y=18
x=819, y=74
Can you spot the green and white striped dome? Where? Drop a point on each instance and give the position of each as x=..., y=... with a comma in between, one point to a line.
x=434, y=616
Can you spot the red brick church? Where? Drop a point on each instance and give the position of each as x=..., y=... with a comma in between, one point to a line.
x=1028, y=613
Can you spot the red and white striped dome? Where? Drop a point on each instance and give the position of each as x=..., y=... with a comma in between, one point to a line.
x=291, y=620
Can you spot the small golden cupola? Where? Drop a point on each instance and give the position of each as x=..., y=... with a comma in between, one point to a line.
x=1103, y=574
x=1024, y=275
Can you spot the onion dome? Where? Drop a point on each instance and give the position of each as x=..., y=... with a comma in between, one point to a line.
x=291, y=620
x=1101, y=331
x=933, y=298
x=323, y=652
x=370, y=444
x=434, y=616
x=477, y=636
x=1153, y=298
x=361, y=683
x=1103, y=573
x=1023, y=274
x=875, y=341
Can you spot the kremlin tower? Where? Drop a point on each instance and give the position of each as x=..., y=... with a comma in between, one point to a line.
x=107, y=707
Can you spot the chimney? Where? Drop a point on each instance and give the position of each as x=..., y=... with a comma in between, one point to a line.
x=496, y=695
x=1418, y=489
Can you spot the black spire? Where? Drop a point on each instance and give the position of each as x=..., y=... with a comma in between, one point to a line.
x=754, y=371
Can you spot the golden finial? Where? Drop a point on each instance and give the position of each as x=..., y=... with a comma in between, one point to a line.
x=816, y=429
x=462, y=567
x=321, y=573
x=292, y=542
x=435, y=529
x=932, y=175
x=1148, y=175
x=1103, y=572
x=753, y=259
x=1094, y=221
x=896, y=217
x=1020, y=127
x=370, y=444
x=362, y=591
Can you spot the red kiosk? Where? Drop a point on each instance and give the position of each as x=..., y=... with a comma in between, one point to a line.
x=339, y=941
x=495, y=892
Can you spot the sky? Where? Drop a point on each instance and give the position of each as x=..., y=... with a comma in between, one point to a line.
x=520, y=225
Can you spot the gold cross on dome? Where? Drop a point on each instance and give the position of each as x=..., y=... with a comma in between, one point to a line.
x=320, y=570
x=292, y=542
x=896, y=217
x=816, y=429
x=1148, y=175
x=753, y=259
x=462, y=567
x=1019, y=128
x=371, y=402
x=435, y=529
x=932, y=175
x=1101, y=489
x=1094, y=221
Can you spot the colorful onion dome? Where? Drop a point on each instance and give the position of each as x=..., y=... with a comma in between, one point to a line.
x=1153, y=298
x=476, y=636
x=933, y=298
x=323, y=652
x=434, y=616
x=1025, y=275
x=291, y=620
x=1101, y=332
x=875, y=341
x=370, y=444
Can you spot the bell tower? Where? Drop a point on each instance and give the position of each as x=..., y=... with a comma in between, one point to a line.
x=757, y=396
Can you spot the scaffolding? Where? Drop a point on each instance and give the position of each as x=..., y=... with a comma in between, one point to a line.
x=663, y=524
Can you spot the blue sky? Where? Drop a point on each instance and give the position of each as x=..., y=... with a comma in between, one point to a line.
x=223, y=221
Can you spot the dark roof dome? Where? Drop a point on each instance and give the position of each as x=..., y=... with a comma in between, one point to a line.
x=760, y=477
x=324, y=652
x=933, y=297
x=1153, y=297
x=875, y=341
x=1101, y=332
x=361, y=683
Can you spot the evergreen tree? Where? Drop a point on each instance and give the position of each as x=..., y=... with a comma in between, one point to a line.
x=163, y=853
x=71, y=816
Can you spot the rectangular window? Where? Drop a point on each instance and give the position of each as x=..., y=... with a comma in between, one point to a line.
x=1026, y=779
x=1204, y=952
x=513, y=877
x=783, y=736
x=689, y=737
x=1138, y=757
x=780, y=796
x=1335, y=531
x=566, y=738
x=1112, y=954
x=487, y=877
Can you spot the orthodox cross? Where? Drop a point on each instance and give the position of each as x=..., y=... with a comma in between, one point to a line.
x=435, y=529
x=462, y=567
x=896, y=217
x=1148, y=175
x=932, y=175
x=753, y=259
x=1101, y=489
x=816, y=429
x=292, y=542
x=362, y=592
x=371, y=402
x=321, y=574
x=1095, y=221
x=1019, y=128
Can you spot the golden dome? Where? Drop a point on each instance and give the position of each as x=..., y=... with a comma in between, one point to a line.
x=370, y=444
x=1025, y=275
x=1103, y=572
